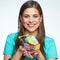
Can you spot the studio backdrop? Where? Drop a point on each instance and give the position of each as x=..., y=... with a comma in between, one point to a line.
x=9, y=10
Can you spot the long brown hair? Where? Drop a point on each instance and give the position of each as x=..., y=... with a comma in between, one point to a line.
x=41, y=29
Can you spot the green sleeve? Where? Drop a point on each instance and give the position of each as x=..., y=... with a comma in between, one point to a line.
x=51, y=51
x=9, y=45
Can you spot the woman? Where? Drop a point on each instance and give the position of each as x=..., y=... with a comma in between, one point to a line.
x=30, y=22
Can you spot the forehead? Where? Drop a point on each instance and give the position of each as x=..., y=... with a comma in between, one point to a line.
x=31, y=11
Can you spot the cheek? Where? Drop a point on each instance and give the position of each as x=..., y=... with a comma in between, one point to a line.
x=38, y=24
x=24, y=21
x=38, y=21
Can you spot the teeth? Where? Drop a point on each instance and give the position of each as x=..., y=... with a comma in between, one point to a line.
x=31, y=25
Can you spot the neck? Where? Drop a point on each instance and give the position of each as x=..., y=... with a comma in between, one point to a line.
x=31, y=33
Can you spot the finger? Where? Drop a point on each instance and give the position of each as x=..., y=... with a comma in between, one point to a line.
x=36, y=53
x=30, y=55
x=25, y=53
x=22, y=49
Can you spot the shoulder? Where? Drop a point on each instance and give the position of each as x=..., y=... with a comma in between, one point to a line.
x=10, y=43
x=50, y=46
x=12, y=36
x=48, y=40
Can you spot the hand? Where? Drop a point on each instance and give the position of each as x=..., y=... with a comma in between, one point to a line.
x=28, y=54
x=25, y=52
x=21, y=49
x=31, y=54
x=35, y=53
x=40, y=56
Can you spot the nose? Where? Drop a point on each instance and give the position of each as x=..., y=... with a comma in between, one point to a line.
x=31, y=19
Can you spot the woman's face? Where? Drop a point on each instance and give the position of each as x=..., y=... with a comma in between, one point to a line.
x=31, y=19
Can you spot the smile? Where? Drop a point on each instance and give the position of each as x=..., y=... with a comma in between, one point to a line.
x=31, y=25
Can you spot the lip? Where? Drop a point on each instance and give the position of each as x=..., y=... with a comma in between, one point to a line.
x=31, y=25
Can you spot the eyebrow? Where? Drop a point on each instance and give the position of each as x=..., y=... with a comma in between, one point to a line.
x=28, y=14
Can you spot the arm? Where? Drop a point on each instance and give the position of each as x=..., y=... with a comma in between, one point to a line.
x=40, y=56
x=20, y=52
x=17, y=56
x=6, y=57
x=51, y=59
x=8, y=49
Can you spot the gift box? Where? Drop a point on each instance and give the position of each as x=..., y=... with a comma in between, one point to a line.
x=30, y=43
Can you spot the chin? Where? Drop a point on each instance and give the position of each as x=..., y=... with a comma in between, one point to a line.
x=31, y=31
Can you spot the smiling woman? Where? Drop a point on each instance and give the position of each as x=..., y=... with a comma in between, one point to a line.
x=30, y=23
x=31, y=20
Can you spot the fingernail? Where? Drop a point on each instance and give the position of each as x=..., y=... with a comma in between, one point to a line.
x=31, y=57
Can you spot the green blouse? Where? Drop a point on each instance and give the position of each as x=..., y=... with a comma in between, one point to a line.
x=49, y=47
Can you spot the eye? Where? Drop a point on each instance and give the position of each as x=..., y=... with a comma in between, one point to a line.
x=35, y=16
x=26, y=16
